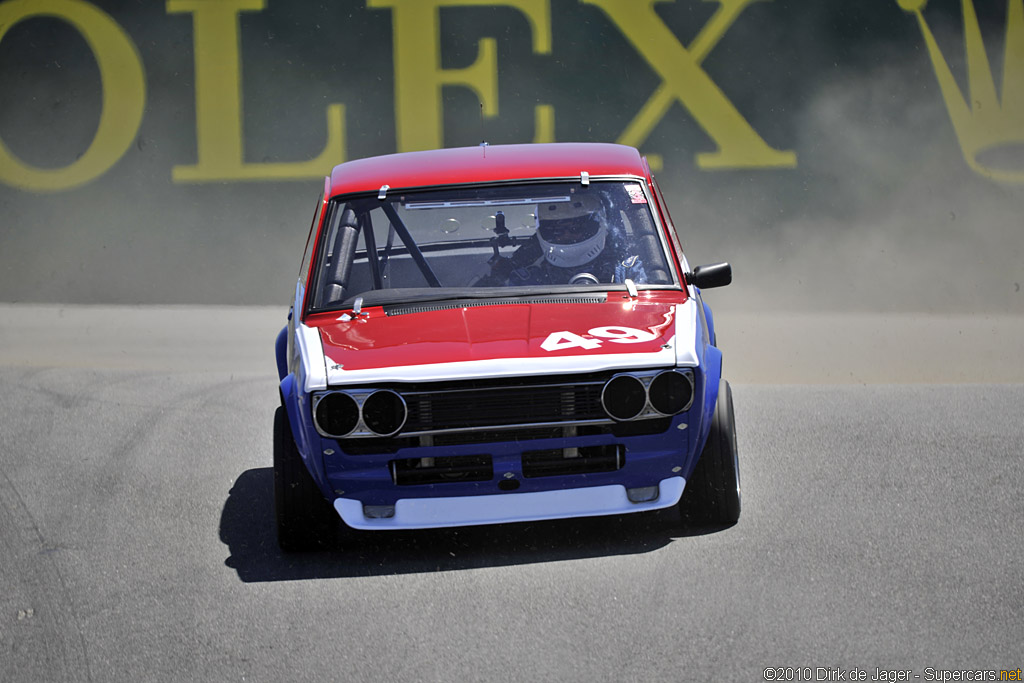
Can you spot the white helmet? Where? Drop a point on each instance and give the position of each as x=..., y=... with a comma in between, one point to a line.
x=571, y=233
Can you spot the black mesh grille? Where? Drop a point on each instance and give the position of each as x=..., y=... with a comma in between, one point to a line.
x=501, y=406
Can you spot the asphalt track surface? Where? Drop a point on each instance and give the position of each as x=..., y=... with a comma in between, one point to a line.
x=882, y=523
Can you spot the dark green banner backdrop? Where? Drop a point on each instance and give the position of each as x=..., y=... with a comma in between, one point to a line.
x=842, y=155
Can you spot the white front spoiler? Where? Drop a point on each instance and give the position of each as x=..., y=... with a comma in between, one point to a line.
x=499, y=508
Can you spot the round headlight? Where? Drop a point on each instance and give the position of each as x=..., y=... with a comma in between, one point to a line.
x=384, y=412
x=336, y=414
x=623, y=397
x=671, y=392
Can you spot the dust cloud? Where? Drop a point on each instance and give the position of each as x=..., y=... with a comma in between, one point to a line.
x=882, y=213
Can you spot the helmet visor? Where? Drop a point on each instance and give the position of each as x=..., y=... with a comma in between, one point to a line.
x=569, y=230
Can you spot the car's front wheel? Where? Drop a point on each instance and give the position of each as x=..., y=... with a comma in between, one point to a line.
x=713, y=492
x=305, y=520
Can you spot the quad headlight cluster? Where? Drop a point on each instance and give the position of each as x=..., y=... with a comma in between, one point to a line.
x=631, y=396
x=338, y=414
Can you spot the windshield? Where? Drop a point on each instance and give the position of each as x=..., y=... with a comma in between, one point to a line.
x=471, y=241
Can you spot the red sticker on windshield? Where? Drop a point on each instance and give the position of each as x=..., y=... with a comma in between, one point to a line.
x=636, y=194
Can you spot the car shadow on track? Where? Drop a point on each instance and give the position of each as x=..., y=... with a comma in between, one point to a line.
x=247, y=528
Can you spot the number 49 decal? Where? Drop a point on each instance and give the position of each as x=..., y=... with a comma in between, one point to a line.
x=558, y=341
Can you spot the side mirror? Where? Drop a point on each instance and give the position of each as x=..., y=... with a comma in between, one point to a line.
x=713, y=275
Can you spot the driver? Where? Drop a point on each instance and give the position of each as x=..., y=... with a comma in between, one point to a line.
x=573, y=245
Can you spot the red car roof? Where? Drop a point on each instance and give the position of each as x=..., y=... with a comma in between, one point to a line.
x=486, y=163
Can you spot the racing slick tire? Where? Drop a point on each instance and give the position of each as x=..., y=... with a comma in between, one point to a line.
x=305, y=520
x=713, y=492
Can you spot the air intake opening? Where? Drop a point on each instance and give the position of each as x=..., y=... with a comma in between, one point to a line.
x=411, y=471
x=562, y=461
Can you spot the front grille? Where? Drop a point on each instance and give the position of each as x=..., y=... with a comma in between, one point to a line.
x=511, y=409
x=511, y=404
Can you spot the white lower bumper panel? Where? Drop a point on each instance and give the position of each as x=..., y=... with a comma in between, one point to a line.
x=428, y=513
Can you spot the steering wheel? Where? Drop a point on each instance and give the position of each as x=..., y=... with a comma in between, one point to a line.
x=584, y=279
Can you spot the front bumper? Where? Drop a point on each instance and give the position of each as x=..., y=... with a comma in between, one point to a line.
x=427, y=513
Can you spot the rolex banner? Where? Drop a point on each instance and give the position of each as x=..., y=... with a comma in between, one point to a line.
x=842, y=155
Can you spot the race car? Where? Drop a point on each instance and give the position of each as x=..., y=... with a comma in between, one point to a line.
x=497, y=334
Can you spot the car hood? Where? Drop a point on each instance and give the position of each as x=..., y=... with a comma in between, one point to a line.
x=507, y=340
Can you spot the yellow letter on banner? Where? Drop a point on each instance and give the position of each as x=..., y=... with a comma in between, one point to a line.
x=683, y=80
x=418, y=73
x=219, y=103
x=124, y=94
